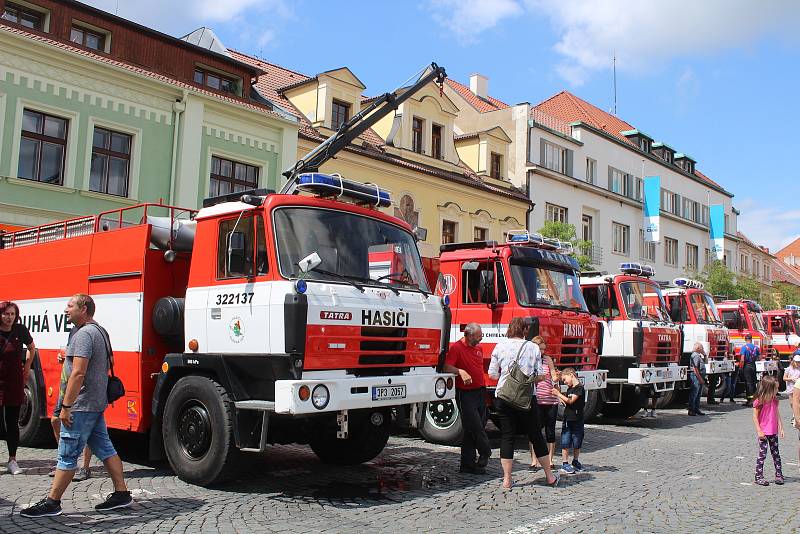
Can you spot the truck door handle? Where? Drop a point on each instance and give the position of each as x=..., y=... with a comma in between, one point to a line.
x=216, y=313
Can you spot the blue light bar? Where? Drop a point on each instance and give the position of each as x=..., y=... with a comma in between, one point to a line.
x=333, y=185
x=688, y=283
x=637, y=269
x=792, y=307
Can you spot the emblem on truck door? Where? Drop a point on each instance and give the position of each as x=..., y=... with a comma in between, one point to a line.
x=236, y=329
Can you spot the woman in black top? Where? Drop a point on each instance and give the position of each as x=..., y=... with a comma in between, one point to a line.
x=14, y=369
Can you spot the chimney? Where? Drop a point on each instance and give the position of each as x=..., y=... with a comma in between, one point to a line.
x=479, y=84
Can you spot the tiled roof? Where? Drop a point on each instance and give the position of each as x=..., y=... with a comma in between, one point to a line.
x=792, y=249
x=275, y=77
x=568, y=108
x=88, y=54
x=781, y=272
x=750, y=243
x=483, y=105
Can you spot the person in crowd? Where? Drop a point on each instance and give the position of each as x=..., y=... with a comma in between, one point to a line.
x=15, y=365
x=572, y=427
x=767, y=420
x=651, y=402
x=791, y=376
x=750, y=354
x=84, y=472
x=512, y=420
x=465, y=360
x=547, y=403
x=82, y=422
x=731, y=381
x=697, y=372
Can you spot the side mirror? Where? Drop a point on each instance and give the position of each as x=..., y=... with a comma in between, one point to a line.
x=310, y=262
x=488, y=294
x=469, y=266
x=237, y=245
x=420, y=233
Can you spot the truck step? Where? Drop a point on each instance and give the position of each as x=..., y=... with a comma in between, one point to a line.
x=261, y=405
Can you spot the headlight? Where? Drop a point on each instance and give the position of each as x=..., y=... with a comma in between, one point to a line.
x=440, y=387
x=320, y=397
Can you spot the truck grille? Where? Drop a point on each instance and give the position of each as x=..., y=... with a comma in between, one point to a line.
x=572, y=352
x=664, y=351
x=383, y=340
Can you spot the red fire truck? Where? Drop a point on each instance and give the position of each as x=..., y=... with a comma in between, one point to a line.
x=256, y=320
x=490, y=283
x=742, y=317
x=783, y=327
x=640, y=344
x=693, y=308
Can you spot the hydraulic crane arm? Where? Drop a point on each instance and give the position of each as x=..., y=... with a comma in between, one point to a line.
x=358, y=124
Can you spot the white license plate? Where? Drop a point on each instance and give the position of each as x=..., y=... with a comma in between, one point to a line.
x=380, y=393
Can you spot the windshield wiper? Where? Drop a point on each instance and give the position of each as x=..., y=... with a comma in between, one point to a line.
x=343, y=278
x=380, y=283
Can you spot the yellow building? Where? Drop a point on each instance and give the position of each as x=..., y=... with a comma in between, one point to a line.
x=414, y=153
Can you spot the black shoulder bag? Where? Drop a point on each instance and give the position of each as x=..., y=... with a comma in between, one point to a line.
x=115, y=389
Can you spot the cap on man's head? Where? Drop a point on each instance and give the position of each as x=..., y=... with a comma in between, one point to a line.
x=748, y=336
x=796, y=357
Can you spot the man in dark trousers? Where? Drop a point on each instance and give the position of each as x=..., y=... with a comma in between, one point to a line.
x=465, y=360
x=750, y=355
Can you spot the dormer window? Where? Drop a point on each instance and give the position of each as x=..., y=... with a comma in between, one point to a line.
x=644, y=144
x=23, y=16
x=436, y=141
x=340, y=113
x=496, y=168
x=88, y=38
x=215, y=81
x=417, y=125
x=640, y=139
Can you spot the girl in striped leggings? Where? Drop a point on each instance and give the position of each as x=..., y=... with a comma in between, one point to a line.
x=767, y=420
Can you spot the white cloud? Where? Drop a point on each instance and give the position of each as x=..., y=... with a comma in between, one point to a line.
x=768, y=226
x=468, y=18
x=646, y=35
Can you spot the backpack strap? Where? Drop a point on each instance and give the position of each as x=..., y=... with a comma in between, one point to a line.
x=110, y=352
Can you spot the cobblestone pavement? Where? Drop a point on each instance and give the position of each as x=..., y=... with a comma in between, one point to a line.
x=672, y=474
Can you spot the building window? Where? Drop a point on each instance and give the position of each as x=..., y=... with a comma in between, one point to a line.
x=215, y=81
x=555, y=157
x=616, y=180
x=671, y=251
x=480, y=234
x=231, y=177
x=639, y=189
x=436, y=141
x=42, y=147
x=591, y=171
x=708, y=258
x=670, y=202
x=448, y=232
x=587, y=224
x=23, y=16
x=555, y=213
x=88, y=38
x=340, y=114
x=416, y=135
x=647, y=249
x=755, y=268
x=644, y=144
x=743, y=263
x=496, y=166
x=766, y=273
x=111, y=158
x=727, y=258
x=622, y=238
x=692, y=253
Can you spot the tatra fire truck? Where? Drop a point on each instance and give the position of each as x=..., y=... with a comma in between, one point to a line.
x=490, y=283
x=640, y=344
x=783, y=327
x=693, y=309
x=742, y=317
x=253, y=321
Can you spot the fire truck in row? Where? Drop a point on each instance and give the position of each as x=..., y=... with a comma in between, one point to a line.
x=527, y=276
x=640, y=345
x=256, y=320
x=742, y=317
x=783, y=327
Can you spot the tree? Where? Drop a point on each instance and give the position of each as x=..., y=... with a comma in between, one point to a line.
x=566, y=232
x=720, y=281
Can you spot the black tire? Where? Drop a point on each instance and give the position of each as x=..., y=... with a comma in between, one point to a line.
x=666, y=398
x=365, y=441
x=719, y=390
x=197, y=429
x=33, y=429
x=441, y=423
x=631, y=403
x=592, y=406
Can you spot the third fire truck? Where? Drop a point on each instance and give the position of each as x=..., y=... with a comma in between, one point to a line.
x=783, y=327
x=742, y=317
x=640, y=344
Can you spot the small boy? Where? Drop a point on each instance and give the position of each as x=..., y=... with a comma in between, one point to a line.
x=572, y=426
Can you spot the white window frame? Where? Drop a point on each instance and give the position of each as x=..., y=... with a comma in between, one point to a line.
x=647, y=249
x=692, y=257
x=617, y=174
x=670, y=248
x=591, y=171
x=555, y=157
x=556, y=213
x=620, y=239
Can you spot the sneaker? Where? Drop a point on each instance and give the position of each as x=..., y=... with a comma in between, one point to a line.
x=47, y=507
x=779, y=481
x=652, y=414
x=118, y=499
x=81, y=475
x=761, y=482
x=577, y=466
x=13, y=468
x=567, y=469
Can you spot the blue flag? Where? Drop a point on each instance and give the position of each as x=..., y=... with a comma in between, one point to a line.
x=652, y=208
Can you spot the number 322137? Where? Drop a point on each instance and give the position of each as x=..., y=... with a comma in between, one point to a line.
x=224, y=299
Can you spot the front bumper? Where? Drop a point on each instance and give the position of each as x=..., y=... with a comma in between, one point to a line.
x=357, y=392
x=716, y=367
x=767, y=366
x=657, y=375
x=597, y=379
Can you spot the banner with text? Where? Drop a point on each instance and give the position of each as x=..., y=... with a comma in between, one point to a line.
x=652, y=208
x=717, y=228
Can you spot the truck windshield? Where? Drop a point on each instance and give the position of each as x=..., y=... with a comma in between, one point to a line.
x=543, y=286
x=365, y=250
x=643, y=300
x=704, y=308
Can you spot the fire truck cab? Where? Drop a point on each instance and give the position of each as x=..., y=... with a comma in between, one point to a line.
x=640, y=344
x=783, y=327
x=254, y=321
x=693, y=309
x=742, y=317
x=527, y=276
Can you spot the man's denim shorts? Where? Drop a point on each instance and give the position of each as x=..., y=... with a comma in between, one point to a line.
x=88, y=428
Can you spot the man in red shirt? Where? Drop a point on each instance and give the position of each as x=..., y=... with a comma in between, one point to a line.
x=465, y=360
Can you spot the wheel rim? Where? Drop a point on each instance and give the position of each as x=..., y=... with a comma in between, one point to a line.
x=26, y=410
x=194, y=429
x=442, y=414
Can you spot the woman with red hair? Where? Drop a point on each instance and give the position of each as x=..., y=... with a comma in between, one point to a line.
x=14, y=369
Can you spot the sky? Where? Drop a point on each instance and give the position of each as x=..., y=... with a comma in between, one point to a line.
x=716, y=79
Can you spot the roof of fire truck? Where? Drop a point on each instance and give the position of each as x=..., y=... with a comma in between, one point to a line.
x=736, y=304
x=520, y=244
x=628, y=271
x=684, y=285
